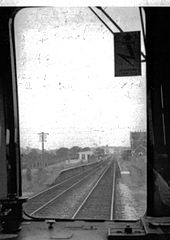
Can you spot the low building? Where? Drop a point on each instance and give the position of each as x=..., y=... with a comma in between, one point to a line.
x=85, y=156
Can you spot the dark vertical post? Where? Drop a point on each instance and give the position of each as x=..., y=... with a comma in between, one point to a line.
x=42, y=137
x=158, y=90
x=11, y=209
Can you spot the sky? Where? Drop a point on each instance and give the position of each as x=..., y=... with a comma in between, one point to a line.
x=66, y=83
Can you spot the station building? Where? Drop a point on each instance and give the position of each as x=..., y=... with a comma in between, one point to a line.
x=85, y=156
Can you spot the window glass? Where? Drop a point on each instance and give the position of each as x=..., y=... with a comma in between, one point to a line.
x=82, y=130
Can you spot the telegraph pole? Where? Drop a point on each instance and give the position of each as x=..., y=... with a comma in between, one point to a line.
x=42, y=139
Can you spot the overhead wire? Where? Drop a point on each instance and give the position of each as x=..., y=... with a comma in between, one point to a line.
x=101, y=20
x=115, y=24
x=142, y=24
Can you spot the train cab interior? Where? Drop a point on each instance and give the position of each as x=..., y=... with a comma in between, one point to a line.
x=155, y=223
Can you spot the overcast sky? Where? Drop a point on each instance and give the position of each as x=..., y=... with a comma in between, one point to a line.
x=66, y=83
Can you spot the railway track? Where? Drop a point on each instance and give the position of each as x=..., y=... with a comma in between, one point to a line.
x=43, y=199
x=99, y=203
x=90, y=195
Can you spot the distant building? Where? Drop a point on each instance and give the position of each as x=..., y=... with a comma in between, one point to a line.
x=84, y=156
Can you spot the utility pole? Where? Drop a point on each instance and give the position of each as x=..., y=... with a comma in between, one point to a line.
x=42, y=139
